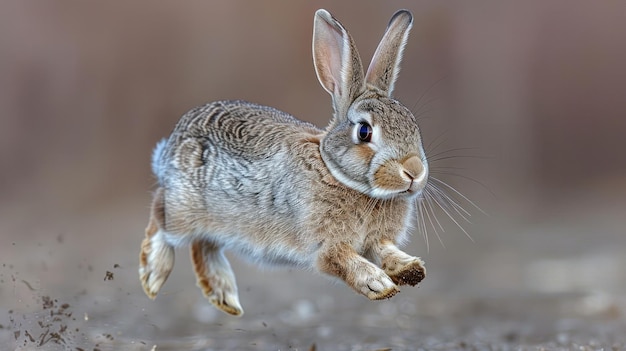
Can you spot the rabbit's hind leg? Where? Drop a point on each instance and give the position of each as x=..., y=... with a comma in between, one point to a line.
x=156, y=258
x=401, y=267
x=215, y=276
x=342, y=261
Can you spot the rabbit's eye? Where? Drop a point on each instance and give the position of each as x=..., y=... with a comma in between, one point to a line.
x=364, y=133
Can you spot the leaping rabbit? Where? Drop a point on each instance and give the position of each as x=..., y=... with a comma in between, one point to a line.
x=238, y=176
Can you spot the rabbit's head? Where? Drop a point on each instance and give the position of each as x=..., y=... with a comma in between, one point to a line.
x=373, y=142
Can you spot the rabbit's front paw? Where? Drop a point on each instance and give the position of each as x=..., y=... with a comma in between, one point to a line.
x=406, y=272
x=375, y=284
x=342, y=261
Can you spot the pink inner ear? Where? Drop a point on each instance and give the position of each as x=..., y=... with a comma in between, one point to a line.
x=329, y=78
x=329, y=47
x=336, y=60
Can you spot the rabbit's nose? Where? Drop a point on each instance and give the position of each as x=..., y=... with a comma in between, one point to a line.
x=413, y=168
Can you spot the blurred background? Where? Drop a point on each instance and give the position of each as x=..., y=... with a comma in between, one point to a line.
x=522, y=108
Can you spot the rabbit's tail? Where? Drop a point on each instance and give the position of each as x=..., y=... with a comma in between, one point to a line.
x=158, y=161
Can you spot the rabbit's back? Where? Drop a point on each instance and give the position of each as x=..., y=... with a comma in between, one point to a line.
x=239, y=126
x=222, y=135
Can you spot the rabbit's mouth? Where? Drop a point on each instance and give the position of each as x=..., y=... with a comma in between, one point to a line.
x=417, y=185
x=411, y=191
x=408, y=190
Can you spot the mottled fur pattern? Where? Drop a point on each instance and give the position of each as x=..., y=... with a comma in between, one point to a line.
x=254, y=180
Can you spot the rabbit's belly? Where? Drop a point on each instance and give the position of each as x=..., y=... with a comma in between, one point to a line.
x=273, y=255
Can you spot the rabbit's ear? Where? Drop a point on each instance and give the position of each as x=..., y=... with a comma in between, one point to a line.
x=385, y=65
x=337, y=62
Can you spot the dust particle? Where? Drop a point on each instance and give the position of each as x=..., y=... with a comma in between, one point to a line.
x=108, y=275
x=47, y=302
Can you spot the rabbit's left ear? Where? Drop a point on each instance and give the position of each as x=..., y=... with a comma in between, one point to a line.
x=385, y=65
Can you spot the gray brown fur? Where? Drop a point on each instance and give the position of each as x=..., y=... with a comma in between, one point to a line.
x=238, y=176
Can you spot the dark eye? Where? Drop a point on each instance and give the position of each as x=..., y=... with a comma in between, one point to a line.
x=364, y=132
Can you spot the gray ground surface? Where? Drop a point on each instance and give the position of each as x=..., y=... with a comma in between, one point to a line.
x=72, y=284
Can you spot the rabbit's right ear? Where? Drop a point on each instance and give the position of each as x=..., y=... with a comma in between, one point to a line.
x=383, y=70
x=337, y=62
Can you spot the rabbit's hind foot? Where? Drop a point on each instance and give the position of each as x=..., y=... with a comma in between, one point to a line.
x=157, y=261
x=156, y=258
x=215, y=277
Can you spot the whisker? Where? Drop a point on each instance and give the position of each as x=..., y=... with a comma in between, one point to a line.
x=453, y=220
x=423, y=226
x=443, y=140
x=452, y=150
x=433, y=225
x=429, y=201
x=462, y=176
x=427, y=91
x=431, y=160
x=448, y=167
x=419, y=109
x=369, y=208
x=453, y=204
x=458, y=193
x=423, y=114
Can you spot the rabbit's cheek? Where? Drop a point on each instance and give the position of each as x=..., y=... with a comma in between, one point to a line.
x=364, y=153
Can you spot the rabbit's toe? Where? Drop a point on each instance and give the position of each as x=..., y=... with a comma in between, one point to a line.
x=227, y=302
x=409, y=273
x=379, y=286
x=223, y=297
x=221, y=293
x=152, y=281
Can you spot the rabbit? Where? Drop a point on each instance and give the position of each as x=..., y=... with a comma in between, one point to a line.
x=251, y=179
